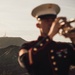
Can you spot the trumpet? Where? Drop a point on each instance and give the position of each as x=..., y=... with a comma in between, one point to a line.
x=66, y=27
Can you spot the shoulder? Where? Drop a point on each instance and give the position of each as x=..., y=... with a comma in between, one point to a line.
x=27, y=45
x=66, y=44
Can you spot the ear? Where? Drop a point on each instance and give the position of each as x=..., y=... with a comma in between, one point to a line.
x=38, y=25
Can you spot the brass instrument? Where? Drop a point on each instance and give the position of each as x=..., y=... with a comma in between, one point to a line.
x=66, y=27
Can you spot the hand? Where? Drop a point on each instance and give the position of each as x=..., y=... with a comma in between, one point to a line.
x=56, y=26
x=71, y=36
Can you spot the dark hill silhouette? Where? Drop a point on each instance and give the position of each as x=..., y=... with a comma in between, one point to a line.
x=9, y=63
x=7, y=41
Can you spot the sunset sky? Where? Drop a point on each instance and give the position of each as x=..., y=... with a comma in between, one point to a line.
x=16, y=19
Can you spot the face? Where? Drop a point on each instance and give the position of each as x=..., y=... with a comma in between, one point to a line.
x=45, y=23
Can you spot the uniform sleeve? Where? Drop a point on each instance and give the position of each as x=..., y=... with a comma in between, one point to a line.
x=23, y=59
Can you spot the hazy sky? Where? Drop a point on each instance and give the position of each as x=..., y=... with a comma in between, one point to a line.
x=16, y=19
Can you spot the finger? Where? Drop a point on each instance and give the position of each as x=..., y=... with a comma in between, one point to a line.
x=61, y=19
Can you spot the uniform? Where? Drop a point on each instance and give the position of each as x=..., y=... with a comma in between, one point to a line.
x=46, y=57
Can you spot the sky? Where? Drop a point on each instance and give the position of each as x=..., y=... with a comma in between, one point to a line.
x=16, y=19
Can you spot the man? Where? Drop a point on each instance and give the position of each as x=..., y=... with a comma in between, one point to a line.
x=45, y=56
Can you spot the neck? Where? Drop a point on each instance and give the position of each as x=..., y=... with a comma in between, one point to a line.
x=43, y=34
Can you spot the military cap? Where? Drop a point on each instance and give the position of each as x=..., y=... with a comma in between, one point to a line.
x=45, y=9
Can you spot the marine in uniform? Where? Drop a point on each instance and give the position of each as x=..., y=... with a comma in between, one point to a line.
x=44, y=56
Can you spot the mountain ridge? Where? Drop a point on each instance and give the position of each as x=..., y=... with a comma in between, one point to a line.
x=7, y=41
